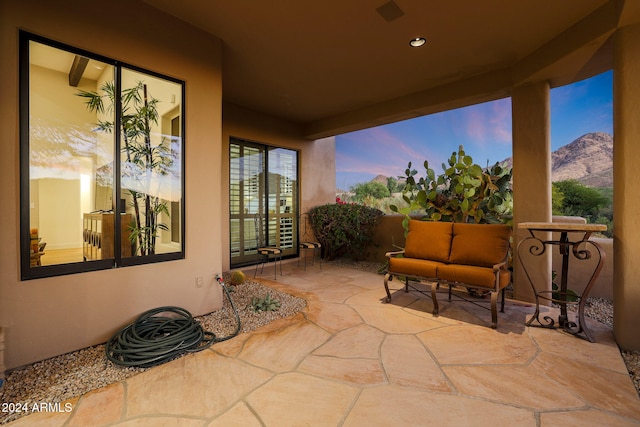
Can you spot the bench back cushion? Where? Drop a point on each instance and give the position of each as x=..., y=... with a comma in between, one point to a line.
x=429, y=240
x=483, y=245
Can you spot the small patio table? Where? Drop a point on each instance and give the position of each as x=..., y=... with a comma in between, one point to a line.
x=582, y=249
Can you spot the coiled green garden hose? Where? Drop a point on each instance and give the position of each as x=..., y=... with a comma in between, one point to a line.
x=152, y=340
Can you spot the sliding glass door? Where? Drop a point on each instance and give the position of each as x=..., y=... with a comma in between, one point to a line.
x=264, y=185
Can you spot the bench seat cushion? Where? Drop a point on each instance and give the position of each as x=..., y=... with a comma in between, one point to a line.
x=482, y=277
x=414, y=267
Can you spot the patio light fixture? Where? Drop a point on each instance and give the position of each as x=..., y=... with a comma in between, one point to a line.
x=417, y=42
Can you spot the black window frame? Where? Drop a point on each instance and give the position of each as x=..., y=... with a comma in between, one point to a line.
x=265, y=148
x=29, y=272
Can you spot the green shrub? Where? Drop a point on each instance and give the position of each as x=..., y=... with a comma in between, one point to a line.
x=372, y=189
x=571, y=198
x=344, y=229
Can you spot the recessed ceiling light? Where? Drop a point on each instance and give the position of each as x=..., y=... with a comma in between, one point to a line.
x=417, y=42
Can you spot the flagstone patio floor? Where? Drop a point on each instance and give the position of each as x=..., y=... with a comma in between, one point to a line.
x=352, y=360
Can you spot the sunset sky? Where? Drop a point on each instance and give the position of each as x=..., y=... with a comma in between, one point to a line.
x=484, y=130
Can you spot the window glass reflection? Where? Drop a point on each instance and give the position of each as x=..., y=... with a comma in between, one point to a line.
x=263, y=183
x=67, y=157
x=151, y=163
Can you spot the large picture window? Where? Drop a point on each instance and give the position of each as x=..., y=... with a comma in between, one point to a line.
x=101, y=162
x=263, y=184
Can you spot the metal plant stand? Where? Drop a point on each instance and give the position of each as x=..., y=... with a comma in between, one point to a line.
x=580, y=249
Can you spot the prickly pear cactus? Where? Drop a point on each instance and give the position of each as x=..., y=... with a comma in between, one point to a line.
x=464, y=192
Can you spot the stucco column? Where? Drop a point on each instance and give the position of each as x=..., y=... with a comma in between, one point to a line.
x=531, y=179
x=626, y=182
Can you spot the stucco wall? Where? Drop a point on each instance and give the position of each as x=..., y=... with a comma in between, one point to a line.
x=626, y=127
x=389, y=236
x=46, y=317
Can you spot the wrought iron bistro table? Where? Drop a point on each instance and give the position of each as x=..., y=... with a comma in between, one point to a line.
x=582, y=249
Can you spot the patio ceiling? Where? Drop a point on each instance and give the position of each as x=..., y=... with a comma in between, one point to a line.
x=338, y=66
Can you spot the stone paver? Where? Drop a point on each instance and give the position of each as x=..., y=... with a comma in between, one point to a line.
x=282, y=350
x=337, y=294
x=401, y=406
x=238, y=416
x=203, y=384
x=99, y=407
x=354, y=370
x=163, y=421
x=408, y=364
x=470, y=344
x=603, y=352
x=522, y=386
x=598, y=387
x=589, y=418
x=361, y=341
x=298, y=399
x=333, y=317
x=403, y=322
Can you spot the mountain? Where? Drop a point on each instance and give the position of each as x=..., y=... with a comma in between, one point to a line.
x=381, y=179
x=588, y=159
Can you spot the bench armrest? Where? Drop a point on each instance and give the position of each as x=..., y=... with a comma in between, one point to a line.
x=393, y=253
x=500, y=266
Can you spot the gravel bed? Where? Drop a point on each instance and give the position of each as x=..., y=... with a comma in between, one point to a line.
x=70, y=375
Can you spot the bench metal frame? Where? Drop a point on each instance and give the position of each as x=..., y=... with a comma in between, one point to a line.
x=436, y=282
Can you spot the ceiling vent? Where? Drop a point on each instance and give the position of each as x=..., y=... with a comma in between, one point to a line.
x=390, y=11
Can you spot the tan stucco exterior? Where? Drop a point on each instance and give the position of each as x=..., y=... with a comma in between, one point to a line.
x=531, y=177
x=626, y=179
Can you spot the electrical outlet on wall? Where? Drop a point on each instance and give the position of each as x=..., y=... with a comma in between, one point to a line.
x=199, y=281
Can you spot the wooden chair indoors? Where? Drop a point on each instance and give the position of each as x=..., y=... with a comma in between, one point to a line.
x=37, y=248
x=266, y=252
x=308, y=242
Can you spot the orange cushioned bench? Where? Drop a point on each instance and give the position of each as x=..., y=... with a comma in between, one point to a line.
x=454, y=254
